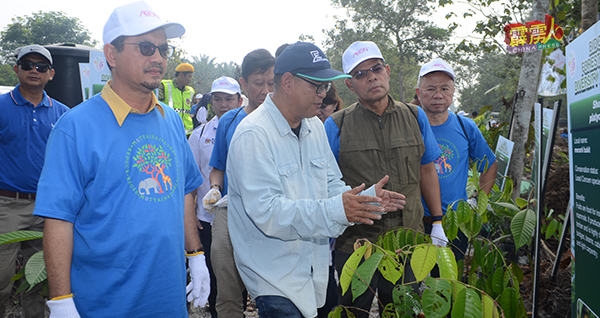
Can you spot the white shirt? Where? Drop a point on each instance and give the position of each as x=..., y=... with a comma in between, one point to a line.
x=202, y=142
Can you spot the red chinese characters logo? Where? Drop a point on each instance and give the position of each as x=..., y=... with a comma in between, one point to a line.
x=533, y=32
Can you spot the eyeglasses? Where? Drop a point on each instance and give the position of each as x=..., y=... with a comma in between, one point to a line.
x=320, y=87
x=148, y=49
x=27, y=65
x=360, y=74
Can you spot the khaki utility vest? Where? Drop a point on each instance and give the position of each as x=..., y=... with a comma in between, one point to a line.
x=372, y=146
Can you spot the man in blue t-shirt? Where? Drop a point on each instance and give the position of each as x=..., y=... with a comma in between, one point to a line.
x=459, y=139
x=27, y=117
x=257, y=82
x=116, y=191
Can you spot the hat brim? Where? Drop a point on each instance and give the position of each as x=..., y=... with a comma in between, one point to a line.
x=173, y=30
x=324, y=75
x=433, y=71
x=225, y=91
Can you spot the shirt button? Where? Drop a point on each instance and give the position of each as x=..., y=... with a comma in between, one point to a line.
x=34, y=119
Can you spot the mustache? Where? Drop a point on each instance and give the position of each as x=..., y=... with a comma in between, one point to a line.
x=154, y=66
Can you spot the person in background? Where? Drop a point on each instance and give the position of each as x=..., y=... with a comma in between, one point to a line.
x=257, y=82
x=461, y=140
x=331, y=104
x=177, y=94
x=288, y=198
x=415, y=101
x=225, y=94
x=115, y=191
x=27, y=117
x=378, y=136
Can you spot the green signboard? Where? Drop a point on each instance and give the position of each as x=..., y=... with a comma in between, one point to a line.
x=583, y=96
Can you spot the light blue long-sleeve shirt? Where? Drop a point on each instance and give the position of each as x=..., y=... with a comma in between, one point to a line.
x=285, y=201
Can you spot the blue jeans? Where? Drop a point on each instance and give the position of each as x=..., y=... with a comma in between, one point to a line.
x=276, y=307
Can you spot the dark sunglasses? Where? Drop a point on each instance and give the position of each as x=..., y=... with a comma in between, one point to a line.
x=148, y=49
x=27, y=65
x=320, y=87
x=360, y=74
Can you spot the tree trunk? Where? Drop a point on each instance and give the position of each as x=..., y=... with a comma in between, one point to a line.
x=527, y=92
x=589, y=13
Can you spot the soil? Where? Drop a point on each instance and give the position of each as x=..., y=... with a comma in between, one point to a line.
x=554, y=293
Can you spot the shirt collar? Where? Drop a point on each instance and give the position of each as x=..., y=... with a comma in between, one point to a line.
x=18, y=98
x=120, y=108
x=280, y=122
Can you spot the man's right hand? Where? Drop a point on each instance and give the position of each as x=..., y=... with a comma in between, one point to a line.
x=358, y=208
x=63, y=308
x=210, y=199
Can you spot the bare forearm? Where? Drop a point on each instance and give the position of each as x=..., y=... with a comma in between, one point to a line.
x=430, y=189
x=58, y=253
x=486, y=181
x=217, y=177
x=192, y=240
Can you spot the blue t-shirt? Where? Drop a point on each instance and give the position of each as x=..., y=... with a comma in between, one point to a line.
x=24, y=131
x=227, y=125
x=123, y=189
x=453, y=164
x=431, y=152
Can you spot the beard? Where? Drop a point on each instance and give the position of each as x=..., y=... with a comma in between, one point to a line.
x=154, y=84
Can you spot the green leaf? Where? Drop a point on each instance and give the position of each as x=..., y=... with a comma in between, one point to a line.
x=467, y=304
x=463, y=211
x=436, y=299
x=350, y=267
x=552, y=227
x=473, y=227
x=498, y=281
x=406, y=303
x=521, y=202
x=489, y=307
x=508, y=189
x=35, y=269
x=517, y=272
x=508, y=205
x=450, y=224
x=19, y=236
x=400, y=238
x=363, y=275
x=388, y=241
x=522, y=227
x=390, y=268
x=482, y=202
x=509, y=301
x=447, y=263
x=423, y=260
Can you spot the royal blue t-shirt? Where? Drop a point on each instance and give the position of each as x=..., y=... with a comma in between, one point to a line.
x=227, y=125
x=123, y=189
x=24, y=131
x=453, y=164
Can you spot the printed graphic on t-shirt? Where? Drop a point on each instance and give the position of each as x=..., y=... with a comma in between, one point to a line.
x=448, y=159
x=152, y=168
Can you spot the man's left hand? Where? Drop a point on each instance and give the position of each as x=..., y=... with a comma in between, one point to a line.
x=199, y=289
x=390, y=200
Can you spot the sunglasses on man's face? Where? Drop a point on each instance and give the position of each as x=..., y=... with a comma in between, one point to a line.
x=27, y=65
x=148, y=49
x=360, y=74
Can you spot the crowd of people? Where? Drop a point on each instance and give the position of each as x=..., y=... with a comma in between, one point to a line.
x=265, y=199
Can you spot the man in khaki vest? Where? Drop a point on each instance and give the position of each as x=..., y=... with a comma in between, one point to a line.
x=378, y=136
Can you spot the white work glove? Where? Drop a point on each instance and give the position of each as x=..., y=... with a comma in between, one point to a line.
x=199, y=289
x=472, y=202
x=211, y=197
x=63, y=308
x=438, y=236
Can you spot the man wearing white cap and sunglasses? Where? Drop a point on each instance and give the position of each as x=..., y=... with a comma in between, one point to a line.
x=225, y=95
x=288, y=199
x=459, y=137
x=378, y=136
x=116, y=190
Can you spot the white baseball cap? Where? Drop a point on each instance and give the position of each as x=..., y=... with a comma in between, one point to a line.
x=437, y=65
x=225, y=84
x=34, y=49
x=359, y=52
x=137, y=18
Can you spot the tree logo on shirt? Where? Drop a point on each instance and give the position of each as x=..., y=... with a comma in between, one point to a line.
x=449, y=156
x=152, y=163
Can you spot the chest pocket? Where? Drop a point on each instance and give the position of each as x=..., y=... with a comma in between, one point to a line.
x=318, y=176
